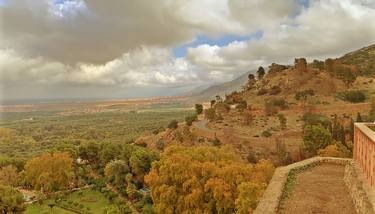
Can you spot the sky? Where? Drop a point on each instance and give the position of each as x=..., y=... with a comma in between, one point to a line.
x=61, y=49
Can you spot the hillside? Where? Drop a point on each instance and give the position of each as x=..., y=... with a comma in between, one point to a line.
x=363, y=58
x=248, y=118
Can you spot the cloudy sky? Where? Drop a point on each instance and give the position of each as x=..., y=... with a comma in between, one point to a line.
x=138, y=48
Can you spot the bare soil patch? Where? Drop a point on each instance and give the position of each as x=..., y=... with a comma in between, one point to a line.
x=319, y=190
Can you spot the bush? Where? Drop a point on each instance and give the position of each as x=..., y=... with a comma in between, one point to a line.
x=266, y=133
x=315, y=138
x=275, y=90
x=335, y=150
x=173, y=124
x=354, y=96
x=304, y=94
x=241, y=105
x=280, y=102
x=271, y=106
x=190, y=119
x=282, y=120
x=317, y=119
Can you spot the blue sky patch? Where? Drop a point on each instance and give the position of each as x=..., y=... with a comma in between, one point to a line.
x=201, y=39
x=3, y=2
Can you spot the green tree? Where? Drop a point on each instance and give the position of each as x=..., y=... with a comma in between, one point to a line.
x=173, y=124
x=89, y=151
x=11, y=201
x=316, y=137
x=116, y=171
x=198, y=109
x=190, y=119
x=261, y=72
x=210, y=114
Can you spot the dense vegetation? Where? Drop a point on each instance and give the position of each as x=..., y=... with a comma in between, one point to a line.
x=206, y=179
x=48, y=131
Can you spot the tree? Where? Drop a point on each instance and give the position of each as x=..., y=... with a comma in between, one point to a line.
x=210, y=114
x=212, y=103
x=116, y=171
x=202, y=179
x=173, y=124
x=261, y=72
x=198, y=109
x=11, y=201
x=131, y=189
x=249, y=194
x=282, y=120
x=9, y=176
x=359, y=118
x=50, y=172
x=251, y=77
x=190, y=119
x=89, y=151
x=140, y=162
x=316, y=137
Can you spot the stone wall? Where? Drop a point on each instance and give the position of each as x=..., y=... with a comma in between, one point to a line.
x=362, y=199
x=361, y=193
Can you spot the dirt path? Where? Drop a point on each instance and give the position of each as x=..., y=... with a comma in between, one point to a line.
x=202, y=125
x=320, y=190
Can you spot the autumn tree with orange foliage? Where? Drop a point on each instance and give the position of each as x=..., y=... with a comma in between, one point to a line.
x=50, y=172
x=206, y=179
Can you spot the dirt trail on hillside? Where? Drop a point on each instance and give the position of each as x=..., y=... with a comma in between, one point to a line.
x=320, y=190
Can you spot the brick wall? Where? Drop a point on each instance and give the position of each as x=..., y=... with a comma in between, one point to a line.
x=364, y=151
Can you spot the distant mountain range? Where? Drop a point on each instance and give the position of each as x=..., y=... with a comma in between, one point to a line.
x=206, y=93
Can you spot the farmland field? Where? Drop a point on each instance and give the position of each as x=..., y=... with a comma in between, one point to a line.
x=37, y=131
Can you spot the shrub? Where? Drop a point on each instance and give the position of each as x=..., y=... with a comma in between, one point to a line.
x=316, y=137
x=354, y=96
x=317, y=119
x=190, y=119
x=280, y=102
x=334, y=151
x=304, y=94
x=266, y=133
x=275, y=90
x=271, y=106
x=282, y=120
x=241, y=105
x=173, y=124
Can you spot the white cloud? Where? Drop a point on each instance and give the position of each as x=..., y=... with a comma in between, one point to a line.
x=127, y=44
x=328, y=28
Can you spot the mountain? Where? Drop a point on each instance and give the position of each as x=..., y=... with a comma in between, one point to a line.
x=220, y=89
